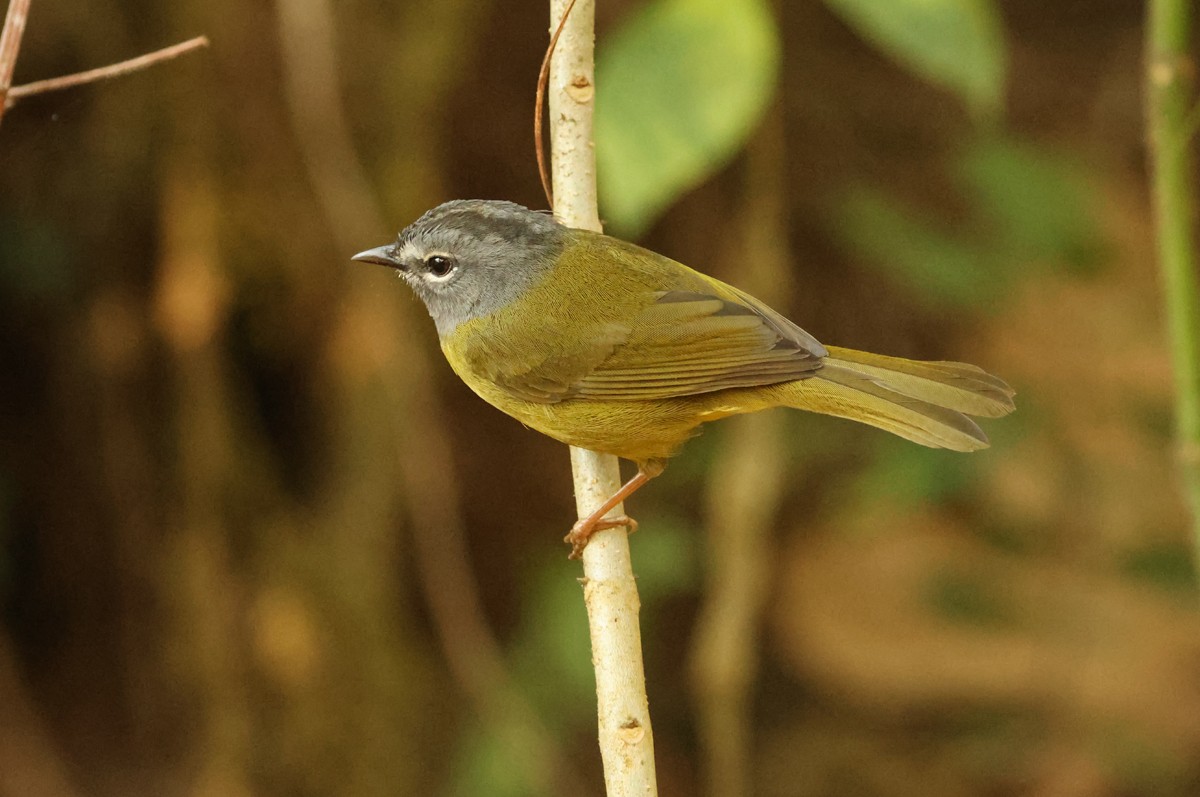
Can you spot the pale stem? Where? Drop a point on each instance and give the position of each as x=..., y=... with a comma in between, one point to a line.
x=626, y=741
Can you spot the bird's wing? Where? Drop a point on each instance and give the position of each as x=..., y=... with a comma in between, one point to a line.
x=691, y=342
x=679, y=343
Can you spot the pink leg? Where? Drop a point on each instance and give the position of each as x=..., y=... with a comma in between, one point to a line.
x=583, y=529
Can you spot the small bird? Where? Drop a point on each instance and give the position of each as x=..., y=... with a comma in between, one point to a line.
x=608, y=346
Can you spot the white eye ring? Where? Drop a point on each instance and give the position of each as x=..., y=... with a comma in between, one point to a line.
x=440, y=266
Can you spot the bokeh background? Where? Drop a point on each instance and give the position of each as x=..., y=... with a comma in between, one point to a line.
x=256, y=539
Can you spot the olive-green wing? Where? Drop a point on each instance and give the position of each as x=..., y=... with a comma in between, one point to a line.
x=688, y=343
x=680, y=343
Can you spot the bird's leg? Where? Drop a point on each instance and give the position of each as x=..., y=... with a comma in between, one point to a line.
x=584, y=528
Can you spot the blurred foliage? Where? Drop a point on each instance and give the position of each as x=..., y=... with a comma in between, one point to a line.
x=898, y=476
x=1170, y=566
x=25, y=243
x=550, y=654
x=1026, y=208
x=958, y=44
x=680, y=86
x=970, y=599
x=1039, y=205
x=207, y=560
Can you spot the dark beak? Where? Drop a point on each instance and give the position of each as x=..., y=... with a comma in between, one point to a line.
x=381, y=256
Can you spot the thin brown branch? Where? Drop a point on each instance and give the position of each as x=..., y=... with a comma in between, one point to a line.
x=105, y=72
x=540, y=103
x=10, y=45
x=10, y=40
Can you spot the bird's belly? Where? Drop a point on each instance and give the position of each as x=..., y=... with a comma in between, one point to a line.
x=636, y=430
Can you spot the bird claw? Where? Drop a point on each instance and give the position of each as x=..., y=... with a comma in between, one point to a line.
x=582, y=531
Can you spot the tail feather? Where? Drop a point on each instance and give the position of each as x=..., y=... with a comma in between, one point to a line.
x=925, y=402
x=958, y=386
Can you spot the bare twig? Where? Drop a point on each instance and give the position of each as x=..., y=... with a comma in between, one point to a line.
x=10, y=45
x=626, y=740
x=105, y=72
x=540, y=102
x=10, y=42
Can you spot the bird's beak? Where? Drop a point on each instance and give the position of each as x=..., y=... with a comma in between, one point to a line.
x=381, y=256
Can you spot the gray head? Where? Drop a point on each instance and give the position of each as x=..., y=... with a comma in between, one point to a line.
x=470, y=257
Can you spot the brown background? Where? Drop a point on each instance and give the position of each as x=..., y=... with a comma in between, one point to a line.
x=234, y=470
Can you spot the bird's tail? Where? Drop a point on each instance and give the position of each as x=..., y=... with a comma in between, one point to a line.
x=926, y=402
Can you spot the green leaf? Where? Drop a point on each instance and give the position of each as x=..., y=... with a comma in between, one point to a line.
x=679, y=89
x=1030, y=208
x=968, y=599
x=485, y=763
x=551, y=650
x=1170, y=567
x=906, y=475
x=957, y=44
x=1036, y=201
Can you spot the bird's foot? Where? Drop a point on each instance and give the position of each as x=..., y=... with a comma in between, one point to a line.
x=583, y=530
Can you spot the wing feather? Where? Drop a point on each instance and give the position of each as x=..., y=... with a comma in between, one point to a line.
x=647, y=340
x=686, y=343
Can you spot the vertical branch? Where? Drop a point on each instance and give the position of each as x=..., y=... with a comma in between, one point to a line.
x=626, y=741
x=1171, y=76
x=744, y=491
x=572, y=102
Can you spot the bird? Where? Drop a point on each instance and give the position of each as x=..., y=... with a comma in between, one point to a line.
x=602, y=344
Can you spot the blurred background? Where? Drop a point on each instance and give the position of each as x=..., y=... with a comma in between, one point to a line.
x=257, y=539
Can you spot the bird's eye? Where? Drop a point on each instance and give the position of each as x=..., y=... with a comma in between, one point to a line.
x=439, y=265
